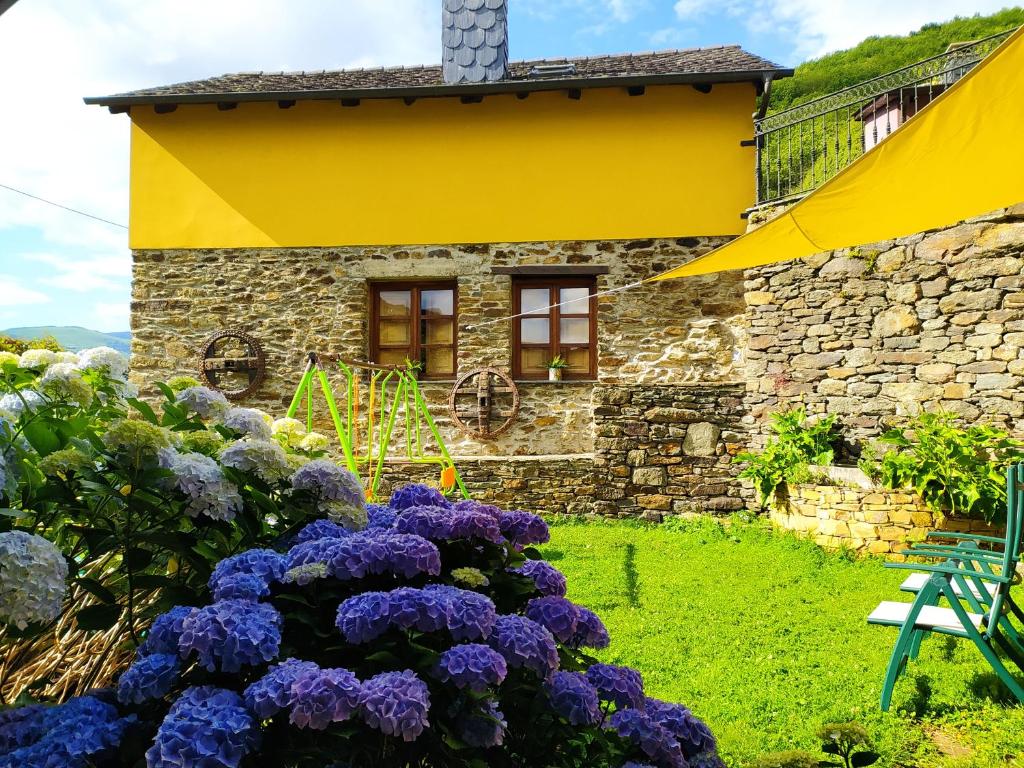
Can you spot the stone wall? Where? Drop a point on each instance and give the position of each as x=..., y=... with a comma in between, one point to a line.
x=868, y=521
x=297, y=300
x=667, y=449
x=873, y=334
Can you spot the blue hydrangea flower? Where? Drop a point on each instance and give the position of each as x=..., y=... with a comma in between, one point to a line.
x=469, y=505
x=558, y=615
x=471, y=666
x=165, y=631
x=524, y=643
x=417, y=495
x=571, y=696
x=523, y=529
x=471, y=616
x=240, y=586
x=21, y=726
x=364, y=617
x=321, y=529
x=548, y=579
x=267, y=564
x=249, y=422
x=206, y=728
x=80, y=733
x=380, y=516
x=653, y=740
x=232, y=634
x=150, y=677
x=429, y=522
x=33, y=574
x=419, y=609
x=620, y=685
x=338, y=492
x=396, y=704
x=483, y=729
x=590, y=631
x=693, y=735
x=205, y=402
x=323, y=696
x=273, y=692
x=474, y=524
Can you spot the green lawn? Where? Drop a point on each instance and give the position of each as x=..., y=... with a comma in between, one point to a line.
x=764, y=637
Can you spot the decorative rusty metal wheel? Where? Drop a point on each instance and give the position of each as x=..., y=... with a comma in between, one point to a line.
x=484, y=403
x=232, y=362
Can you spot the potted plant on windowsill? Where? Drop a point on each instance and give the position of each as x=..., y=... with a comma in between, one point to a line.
x=555, y=368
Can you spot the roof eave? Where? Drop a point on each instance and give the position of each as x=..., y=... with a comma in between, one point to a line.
x=755, y=76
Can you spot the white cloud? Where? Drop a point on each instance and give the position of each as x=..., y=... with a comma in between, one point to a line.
x=110, y=316
x=14, y=293
x=83, y=273
x=815, y=27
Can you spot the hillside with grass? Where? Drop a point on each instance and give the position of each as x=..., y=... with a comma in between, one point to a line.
x=73, y=337
x=878, y=55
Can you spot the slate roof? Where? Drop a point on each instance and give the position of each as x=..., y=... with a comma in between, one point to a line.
x=720, y=64
x=474, y=40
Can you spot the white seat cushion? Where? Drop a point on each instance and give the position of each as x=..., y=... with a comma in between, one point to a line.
x=931, y=617
x=915, y=583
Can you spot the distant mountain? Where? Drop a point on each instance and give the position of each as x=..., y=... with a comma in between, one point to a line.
x=74, y=338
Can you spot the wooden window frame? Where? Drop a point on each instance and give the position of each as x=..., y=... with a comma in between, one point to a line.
x=555, y=315
x=415, y=287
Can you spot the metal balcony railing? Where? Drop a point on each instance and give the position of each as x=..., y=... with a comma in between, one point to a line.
x=800, y=148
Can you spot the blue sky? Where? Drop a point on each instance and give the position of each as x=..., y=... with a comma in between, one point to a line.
x=60, y=269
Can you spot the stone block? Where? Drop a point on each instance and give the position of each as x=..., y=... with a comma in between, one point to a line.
x=655, y=501
x=878, y=547
x=701, y=439
x=655, y=476
x=897, y=320
x=960, y=301
x=935, y=373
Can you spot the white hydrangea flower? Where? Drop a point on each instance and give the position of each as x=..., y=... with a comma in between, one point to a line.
x=104, y=359
x=204, y=402
x=288, y=431
x=33, y=575
x=314, y=442
x=264, y=457
x=200, y=478
x=251, y=422
x=65, y=380
x=13, y=406
x=67, y=357
x=8, y=360
x=37, y=358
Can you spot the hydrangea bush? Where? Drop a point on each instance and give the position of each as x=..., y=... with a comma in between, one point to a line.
x=436, y=637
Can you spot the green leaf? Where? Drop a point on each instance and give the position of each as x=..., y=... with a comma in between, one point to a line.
x=147, y=412
x=137, y=558
x=861, y=759
x=13, y=512
x=98, y=617
x=41, y=437
x=93, y=587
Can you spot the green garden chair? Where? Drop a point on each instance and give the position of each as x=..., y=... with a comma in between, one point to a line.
x=968, y=574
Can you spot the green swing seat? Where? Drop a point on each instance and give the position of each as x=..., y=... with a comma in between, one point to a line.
x=971, y=571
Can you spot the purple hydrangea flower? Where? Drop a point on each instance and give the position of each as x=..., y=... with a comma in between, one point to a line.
x=380, y=516
x=548, y=579
x=474, y=524
x=471, y=616
x=206, y=728
x=653, y=740
x=590, y=631
x=483, y=729
x=396, y=703
x=264, y=563
x=364, y=617
x=165, y=632
x=417, y=495
x=321, y=529
x=524, y=643
x=273, y=692
x=428, y=522
x=150, y=677
x=558, y=615
x=471, y=666
x=357, y=556
x=232, y=634
x=240, y=586
x=469, y=505
x=621, y=685
x=523, y=529
x=573, y=697
x=420, y=609
x=323, y=696
x=693, y=735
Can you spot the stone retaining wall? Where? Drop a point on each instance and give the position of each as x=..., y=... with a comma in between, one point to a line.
x=868, y=521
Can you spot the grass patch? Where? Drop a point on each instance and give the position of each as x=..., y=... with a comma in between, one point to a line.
x=764, y=636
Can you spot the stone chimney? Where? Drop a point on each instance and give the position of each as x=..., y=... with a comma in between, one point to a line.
x=474, y=40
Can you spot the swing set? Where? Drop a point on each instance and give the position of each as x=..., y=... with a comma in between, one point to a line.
x=387, y=391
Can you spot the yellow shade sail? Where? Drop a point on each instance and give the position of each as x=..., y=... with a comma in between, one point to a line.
x=961, y=156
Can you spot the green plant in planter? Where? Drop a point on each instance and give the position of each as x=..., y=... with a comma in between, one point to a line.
x=957, y=470
x=798, y=442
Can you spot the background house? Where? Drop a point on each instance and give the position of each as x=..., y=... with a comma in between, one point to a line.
x=387, y=214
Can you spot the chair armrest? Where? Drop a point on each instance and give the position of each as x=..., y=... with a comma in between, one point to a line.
x=964, y=536
x=951, y=570
x=956, y=553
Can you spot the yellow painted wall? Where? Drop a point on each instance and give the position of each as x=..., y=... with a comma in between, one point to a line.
x=608, y=166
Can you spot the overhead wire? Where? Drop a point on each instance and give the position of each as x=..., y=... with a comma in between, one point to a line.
x=62, y=207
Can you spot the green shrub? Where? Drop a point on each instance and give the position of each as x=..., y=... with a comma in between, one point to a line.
x=797, y=443
x=794, y=758
x=957, y=470
x=17, y=346
x=849, y=742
